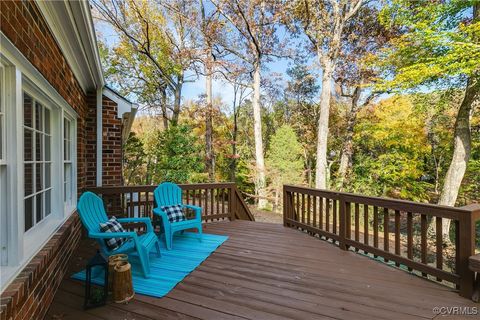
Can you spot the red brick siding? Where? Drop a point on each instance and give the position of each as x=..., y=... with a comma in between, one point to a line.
x=29, y=295
x=112, y=145
x=23, y=24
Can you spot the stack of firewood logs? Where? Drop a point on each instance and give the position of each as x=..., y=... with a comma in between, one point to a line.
x=120, y=278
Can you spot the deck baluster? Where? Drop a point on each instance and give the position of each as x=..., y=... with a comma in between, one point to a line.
x=423, y=239
x=439, y=244
x=410, y=237
x=397, y=235
x=375, y=228
x=357, y=223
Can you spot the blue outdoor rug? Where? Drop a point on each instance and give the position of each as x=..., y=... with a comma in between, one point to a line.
x=174, y=265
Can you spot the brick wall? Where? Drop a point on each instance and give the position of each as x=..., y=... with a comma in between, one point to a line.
x=23, y=24
x=112, y=145
x=29, y=295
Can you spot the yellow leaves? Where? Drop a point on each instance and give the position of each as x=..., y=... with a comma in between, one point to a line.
x=395, y=124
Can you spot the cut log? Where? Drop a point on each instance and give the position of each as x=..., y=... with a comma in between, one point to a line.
x=112, y=261
x=122, y=278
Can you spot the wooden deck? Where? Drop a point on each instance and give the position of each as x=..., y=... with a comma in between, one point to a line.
x=267, y=271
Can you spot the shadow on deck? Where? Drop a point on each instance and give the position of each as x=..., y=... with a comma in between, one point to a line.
x=267, y=271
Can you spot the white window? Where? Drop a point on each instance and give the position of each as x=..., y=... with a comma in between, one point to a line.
x=37, y=161
x=68, y=155
x=3, y=176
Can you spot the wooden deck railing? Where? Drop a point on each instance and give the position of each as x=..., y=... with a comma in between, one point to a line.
x=394, y=230
x=219, y=201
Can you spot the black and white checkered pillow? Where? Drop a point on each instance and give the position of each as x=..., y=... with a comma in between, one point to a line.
x=113, y=226
x=174, y=213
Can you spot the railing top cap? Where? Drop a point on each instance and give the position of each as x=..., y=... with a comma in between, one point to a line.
x=149, y=186
x=472, y=208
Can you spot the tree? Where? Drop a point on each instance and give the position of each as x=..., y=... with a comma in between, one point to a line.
x=132, y=75
x=255, y=23
x=156, y=50
x=363, y=35
x=439, y=109
x=391, y=145
x=210, y=30
x=323, y=22
x=284, y=161
x=440, y=47
x=133, y=161
x=177, y=156
x=240, y=93
x=300, y=110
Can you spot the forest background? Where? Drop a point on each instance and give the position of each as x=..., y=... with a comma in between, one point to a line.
x=373, y=97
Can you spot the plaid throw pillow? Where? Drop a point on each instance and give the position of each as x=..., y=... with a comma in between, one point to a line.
x=174, y=213
x=113, y=226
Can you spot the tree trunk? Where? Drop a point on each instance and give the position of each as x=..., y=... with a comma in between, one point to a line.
x=233, y=163
x=347, y=148
x=178, y=100
x=148, y=174
x=210, y=159
x=257, y=131
x=322, y=134
x=461, y=153
x=164, y=109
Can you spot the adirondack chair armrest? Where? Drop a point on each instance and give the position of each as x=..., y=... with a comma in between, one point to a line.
x=159, y=212
x=146, y=221
x=198, y=210
x=109, y=235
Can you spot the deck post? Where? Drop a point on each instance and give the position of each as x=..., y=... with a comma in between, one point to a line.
x=343, y=224
x=467, y=249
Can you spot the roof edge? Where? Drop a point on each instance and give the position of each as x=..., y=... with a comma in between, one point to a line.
x=71, y=24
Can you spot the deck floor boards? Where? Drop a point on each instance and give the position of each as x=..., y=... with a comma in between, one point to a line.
x=266, y=271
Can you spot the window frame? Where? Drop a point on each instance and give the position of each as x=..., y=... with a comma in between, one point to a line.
x=35, y=98
x=4, y=230
x=20, y=75
x=70, y=206
x=58, y=210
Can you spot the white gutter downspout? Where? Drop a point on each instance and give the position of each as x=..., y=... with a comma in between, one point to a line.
x=99, y=136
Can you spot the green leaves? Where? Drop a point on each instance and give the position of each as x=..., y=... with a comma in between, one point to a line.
x=177, y=156
x=284, y=158
x=440, y=45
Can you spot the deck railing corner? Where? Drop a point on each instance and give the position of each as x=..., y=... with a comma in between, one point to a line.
x=389, y=228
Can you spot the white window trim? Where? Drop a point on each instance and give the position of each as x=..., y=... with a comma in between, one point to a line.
x=4, y=232
x=20, y=75
x=70, y=207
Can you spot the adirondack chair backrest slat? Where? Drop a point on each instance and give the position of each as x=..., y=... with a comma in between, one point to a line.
x=91, y=211
x=168, y=194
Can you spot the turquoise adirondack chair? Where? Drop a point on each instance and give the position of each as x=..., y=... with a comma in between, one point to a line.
x=168, y=194
x=92, y=213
